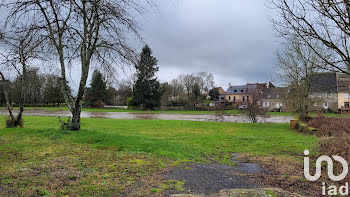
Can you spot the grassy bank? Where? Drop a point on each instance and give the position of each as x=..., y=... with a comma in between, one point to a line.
x=108, y=156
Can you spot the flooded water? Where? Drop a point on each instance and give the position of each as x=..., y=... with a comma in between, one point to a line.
x=128, y=115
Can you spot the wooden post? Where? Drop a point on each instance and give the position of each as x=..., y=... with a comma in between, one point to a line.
x=293, y=124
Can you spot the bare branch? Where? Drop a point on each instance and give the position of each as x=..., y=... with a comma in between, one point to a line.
x=84, y=31
x=325, y=24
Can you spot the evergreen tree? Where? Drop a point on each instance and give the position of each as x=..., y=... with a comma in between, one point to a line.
x=196, y=92
x=147, y=89
x=214, y=94
x=97, y=94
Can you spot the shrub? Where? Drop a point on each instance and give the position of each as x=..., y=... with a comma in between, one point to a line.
x=205, y=101
x=336, y=137
x=331, y=126
x=11, y=123
x=303, y=128
x=98, y=103
x=69, y=125
x=131, y=101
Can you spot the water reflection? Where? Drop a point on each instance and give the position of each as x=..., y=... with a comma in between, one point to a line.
x=128, y=115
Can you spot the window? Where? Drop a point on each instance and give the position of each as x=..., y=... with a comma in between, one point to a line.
x=229, y=98
x=347, y=104
x=234, y=99
x=241, y=90
x=277, y=105
x=277, y=96
x=243, y=98
x=320, y=95
x=247, y=98
x=268, y=96
x=266, y=104
x=329, y=95
x=346, y=95
x=235, y=90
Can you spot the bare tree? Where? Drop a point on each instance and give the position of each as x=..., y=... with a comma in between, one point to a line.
x=19, y=49
x=205, y=82
x=188, y=82
x=5, y=85
x=80, y=31
x=200, y=81
x=124, y=91
x=177, y=89
x=219, y=114
x=320, y=23
x=167, y=91
x=297, y=63
x=254, y=109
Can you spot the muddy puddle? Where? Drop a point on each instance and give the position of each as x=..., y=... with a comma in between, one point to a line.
x=128, y=115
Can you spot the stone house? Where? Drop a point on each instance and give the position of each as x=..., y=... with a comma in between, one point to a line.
x=329, y=91
x=324, y=91
x=274, y=99
x=222, y=94
x=343, y=92
x=243, y=93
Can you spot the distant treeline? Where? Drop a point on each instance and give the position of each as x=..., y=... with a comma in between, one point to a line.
x=40, y=89
x=45, y=90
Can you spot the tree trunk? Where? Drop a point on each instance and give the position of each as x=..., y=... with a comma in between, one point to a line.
x=75, y=125
x=76, y=111
x=19, y=115
x=14, y=121
x=7, y=98
x=21, y=104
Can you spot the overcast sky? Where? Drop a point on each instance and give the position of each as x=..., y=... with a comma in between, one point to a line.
x=233, y=39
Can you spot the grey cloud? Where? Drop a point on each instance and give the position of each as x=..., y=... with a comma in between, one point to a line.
x=231, y=38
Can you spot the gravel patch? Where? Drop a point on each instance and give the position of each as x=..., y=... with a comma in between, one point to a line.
x=211, y=178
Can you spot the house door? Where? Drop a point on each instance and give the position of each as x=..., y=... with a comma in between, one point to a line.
x=325, y=105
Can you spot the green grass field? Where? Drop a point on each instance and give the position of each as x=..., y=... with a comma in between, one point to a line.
x=107, y=156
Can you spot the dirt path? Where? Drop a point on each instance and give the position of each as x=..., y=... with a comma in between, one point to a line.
x=127, y=115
